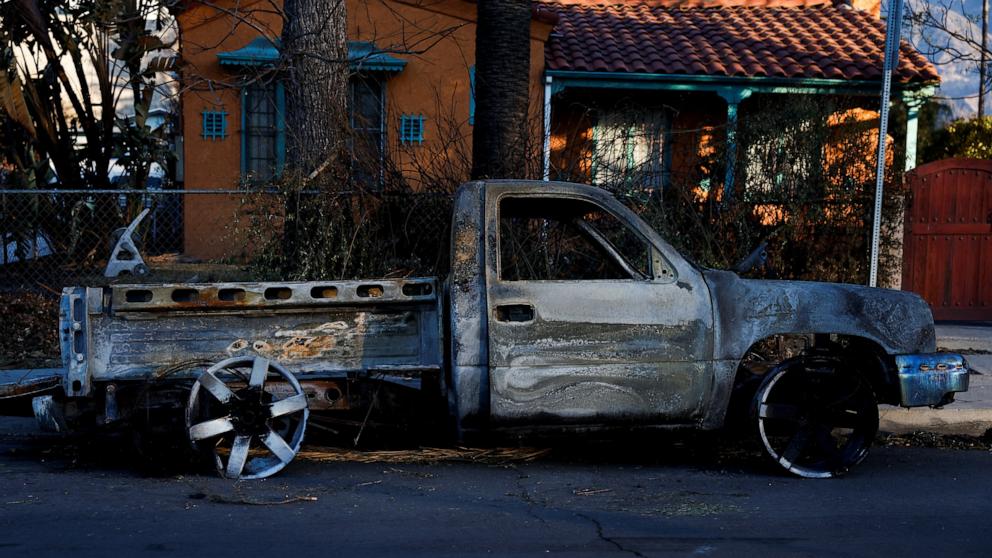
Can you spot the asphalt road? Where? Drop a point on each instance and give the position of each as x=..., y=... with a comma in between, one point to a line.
x=648, y=498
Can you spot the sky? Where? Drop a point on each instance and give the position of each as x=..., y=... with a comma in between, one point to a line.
x=959, y=79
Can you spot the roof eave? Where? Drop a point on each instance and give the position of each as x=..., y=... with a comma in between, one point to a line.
x=716, y=83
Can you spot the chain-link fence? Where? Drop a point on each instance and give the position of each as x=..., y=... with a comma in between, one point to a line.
x=58, y=238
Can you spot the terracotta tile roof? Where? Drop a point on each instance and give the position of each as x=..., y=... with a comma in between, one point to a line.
x=822, y=41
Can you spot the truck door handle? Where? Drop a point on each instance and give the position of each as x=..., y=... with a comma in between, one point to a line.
x=515, y=313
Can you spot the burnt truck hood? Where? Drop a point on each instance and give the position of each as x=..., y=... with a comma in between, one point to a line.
x=748, y=310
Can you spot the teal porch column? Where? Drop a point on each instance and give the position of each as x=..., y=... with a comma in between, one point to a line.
x=912, y=127
x=733, y=96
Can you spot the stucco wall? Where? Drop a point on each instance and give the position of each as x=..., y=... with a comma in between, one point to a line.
x=435, y=38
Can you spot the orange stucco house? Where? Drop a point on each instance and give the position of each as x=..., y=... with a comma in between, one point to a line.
x=412, y=65
x=681, y=64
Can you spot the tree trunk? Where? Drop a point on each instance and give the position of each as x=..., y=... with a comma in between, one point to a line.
x=316, y=80
x=502, y=85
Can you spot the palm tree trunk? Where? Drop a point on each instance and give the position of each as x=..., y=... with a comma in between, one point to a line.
x=502, y=85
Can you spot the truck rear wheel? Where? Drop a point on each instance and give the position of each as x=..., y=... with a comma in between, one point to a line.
x=815, y=416
x=252, y=432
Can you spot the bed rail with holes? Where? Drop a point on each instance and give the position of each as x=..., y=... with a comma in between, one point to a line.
x=315, y=329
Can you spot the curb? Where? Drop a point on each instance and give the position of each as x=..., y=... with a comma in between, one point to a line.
x=964, y=338
x=958, y=422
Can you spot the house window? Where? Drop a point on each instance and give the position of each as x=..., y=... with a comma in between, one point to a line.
x=777, y=161
x=214, y=125
x=631, y=149
x=412, y=129
x=263, y=131
x=366, y=115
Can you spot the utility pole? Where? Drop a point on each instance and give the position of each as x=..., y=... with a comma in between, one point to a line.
x=983, y=60
x=893, y=26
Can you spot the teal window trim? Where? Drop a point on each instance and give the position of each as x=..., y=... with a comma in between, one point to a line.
x=365, y=57
x=280, y=128
x=412, y=129
x=471, y=95
x=213, y=124
x=261, y=51
x=244, y=132
x=280, y=94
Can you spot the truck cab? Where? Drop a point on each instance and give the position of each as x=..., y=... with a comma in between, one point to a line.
x=587, y=315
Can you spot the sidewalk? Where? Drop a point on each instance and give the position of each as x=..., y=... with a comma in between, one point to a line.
x=971, y=413
x=965, y=338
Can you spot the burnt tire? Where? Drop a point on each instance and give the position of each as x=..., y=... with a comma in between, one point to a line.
x=816, y=417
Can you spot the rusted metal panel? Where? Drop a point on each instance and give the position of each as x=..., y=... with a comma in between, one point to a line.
x=468, y=384
x=75, y=338
x=271, y=296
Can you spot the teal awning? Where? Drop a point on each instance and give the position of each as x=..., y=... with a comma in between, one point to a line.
x=260, y=52
x=362, y=56
x=366, y=57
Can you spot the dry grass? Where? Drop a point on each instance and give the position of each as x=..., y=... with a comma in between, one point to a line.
x=489, y=456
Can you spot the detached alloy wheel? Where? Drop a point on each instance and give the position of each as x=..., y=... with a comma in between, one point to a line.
x=252, y=432
x=815, y=417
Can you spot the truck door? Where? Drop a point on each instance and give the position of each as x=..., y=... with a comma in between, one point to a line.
x=589, y=320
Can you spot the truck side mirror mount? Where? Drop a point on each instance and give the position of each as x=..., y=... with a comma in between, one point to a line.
x=757, y=258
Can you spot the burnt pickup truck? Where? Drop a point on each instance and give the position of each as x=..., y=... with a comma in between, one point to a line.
x=562, y=310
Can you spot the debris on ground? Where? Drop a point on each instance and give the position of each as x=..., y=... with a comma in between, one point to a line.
x=966, y=352
x=490, y=456
x=29, y=336
x=219, y=499
x=591, y=491
x=922, y=439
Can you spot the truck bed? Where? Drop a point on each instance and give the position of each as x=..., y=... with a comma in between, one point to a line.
x=315, y=329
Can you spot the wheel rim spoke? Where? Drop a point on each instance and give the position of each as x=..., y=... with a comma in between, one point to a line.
x=278, y=446
x=210, y=428
x=826, y=444
x=845, y=419
x=797, y=444
x=288, y=405
x=238, y=457
x=780, y=411
x=258, y=371
x=215, y=387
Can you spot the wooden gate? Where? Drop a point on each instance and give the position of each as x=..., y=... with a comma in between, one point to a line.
x=947, y=251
